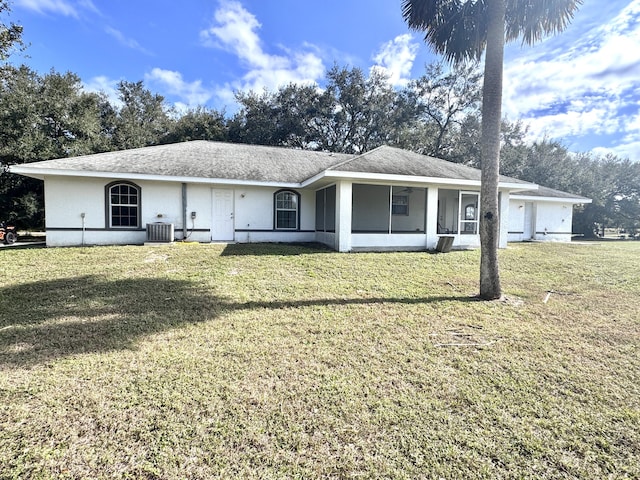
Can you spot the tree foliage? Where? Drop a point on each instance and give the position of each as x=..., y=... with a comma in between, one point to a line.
x=42, y=117
x=52, y=116
x=10, y=34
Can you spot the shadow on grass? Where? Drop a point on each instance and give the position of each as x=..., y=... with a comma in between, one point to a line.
x=277, y=249
x=309, y=248
x=46, y=320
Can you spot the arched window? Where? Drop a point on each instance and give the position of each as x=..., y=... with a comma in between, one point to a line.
x=287, y=208
x=470, y=212
x=123, y=205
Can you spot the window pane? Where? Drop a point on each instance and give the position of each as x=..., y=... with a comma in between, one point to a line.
x=286, y=219
x=124, y=205
x=400, y=205
x=286, y=200
x=286, y=206
x=469, y=206
x=469, y=228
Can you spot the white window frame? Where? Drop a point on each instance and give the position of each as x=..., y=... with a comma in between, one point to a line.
x=136, y=206
x=404, y=204
x=468, y=226
x=277, y=209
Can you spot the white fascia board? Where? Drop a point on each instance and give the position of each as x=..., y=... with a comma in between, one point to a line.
x=314, y=179
x=532, y=198
x=383, y=177
x=46, y=172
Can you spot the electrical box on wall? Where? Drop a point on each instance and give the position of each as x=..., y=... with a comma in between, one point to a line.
x=193, y=215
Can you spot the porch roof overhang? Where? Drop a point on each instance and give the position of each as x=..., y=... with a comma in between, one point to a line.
x=331, y=176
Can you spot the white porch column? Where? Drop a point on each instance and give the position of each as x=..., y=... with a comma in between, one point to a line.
x=504, y=219
x=432, y=218
x=344, y=200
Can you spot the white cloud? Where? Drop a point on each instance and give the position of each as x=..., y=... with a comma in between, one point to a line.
x=629, y=149
x=102, y=84
x=583, y=89
x=630, y=143
x=235, y=30
x=61, y=7
x=395, y=59
x=191, y=94
x=66, y=8
x=126, y=41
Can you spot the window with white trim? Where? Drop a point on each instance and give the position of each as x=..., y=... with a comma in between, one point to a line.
x=400, y=204
x=123, y=205
x=287, y=210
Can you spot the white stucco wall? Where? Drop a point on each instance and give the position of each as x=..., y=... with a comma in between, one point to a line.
x=198, y=201
x=550, y=220
x=553, y=221
x=254, y=216
x=516, y=226
x=66, y=198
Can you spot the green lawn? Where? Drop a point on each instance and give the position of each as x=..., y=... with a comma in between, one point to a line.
x=271, y=361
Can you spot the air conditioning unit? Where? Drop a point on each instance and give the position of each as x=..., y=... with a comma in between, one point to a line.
x=160, y=232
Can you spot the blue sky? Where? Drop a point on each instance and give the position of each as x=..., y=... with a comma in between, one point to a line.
x=582, y=86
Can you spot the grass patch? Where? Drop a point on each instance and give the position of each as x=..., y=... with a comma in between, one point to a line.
x=274, y=361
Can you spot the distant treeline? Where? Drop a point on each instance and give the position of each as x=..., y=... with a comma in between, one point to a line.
x=52, y=116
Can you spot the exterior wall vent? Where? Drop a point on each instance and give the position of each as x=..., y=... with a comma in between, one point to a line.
x=160, y=232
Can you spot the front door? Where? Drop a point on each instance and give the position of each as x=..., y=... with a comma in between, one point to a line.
x=222, y=224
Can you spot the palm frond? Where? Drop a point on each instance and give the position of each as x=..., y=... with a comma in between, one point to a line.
x=457, y=29
x=532, y=20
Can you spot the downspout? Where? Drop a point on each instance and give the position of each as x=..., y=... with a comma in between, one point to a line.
x=184, y=211
x=82, y=215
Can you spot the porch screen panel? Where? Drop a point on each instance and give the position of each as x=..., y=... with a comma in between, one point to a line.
x=330, y=209
x=413, y=221
x=326, y=209
x=320, y=210
x=370, y=209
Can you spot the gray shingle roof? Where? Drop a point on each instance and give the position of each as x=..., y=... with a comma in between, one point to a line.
x=395, y=161
x=203, y=159
x=253, y=163
x=550, y=193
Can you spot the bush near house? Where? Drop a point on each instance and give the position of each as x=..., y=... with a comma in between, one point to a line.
x=273, y=361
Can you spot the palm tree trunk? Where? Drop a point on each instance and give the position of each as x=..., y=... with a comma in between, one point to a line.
x=490, y=288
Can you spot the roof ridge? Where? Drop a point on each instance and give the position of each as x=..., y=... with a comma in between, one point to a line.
x=355, y=157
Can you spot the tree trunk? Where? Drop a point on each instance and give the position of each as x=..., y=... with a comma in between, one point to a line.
x=490, y=288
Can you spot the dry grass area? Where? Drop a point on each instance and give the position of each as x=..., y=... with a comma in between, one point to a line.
x=270, y=361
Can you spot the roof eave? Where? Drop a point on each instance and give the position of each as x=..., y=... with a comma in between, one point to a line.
x=538, y=198
x=46, y=172
x=411, y=179
x=386, y=177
